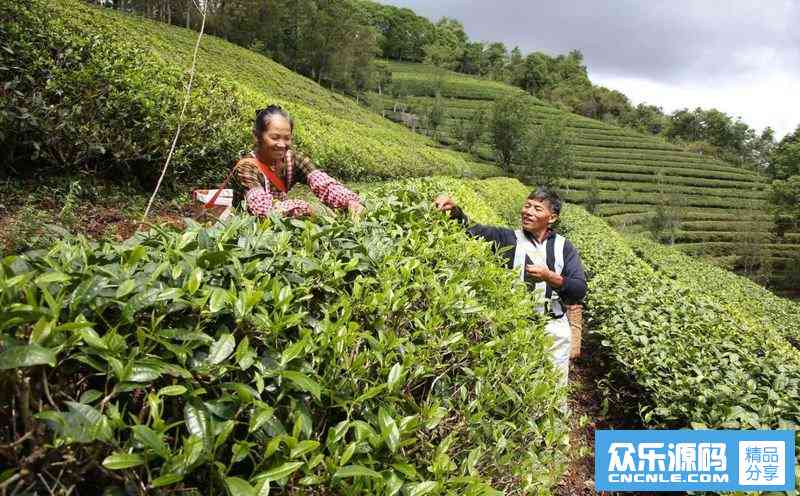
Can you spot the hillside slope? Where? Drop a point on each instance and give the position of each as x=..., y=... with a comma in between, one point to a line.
x=104, y=86
x=722, y=209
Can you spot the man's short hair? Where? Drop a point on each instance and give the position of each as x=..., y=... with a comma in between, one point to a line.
x=543, y=193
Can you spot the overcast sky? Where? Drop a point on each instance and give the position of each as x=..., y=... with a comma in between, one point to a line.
x=742, y=57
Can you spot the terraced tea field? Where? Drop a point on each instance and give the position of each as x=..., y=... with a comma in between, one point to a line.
x=722, y=208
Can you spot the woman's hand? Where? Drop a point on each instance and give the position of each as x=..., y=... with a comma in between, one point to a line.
x=444, y=203
x=355, y=208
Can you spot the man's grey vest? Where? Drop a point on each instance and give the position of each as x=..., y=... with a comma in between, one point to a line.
x=549, y=253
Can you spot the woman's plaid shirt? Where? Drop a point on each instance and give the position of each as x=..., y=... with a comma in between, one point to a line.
x=263, y=198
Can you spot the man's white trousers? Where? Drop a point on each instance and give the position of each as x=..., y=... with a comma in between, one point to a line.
x=562, y=335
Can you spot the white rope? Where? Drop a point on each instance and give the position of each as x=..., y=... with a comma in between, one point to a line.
x=180, y=117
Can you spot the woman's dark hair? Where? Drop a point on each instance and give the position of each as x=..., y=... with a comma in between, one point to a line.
x=264, y=115
x=543, y=193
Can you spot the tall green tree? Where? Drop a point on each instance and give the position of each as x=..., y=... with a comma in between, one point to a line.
x=784, y=197
x=403, y=33
x=509, y=126
x=546, y=155
x=435, y=115
x=495, y=61
x=448, y=45
x=785, y=158
x=469, y=131
x=472, y=58
x=665, y=222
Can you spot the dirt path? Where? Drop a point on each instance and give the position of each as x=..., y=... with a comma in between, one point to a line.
x=589, y=413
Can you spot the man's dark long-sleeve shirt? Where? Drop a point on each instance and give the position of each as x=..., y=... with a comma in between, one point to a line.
x=574, y=288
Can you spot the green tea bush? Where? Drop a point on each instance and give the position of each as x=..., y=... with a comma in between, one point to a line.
x=100, y=102
x=668, y=178
x=612, y=165
x=653, y=187
x=389, y=355
x=505, y=195
x=628, y=196
x=730, y=225
x=421, y=80
x=604, y=155
x=96, y=89
x=696, y=363
x=742, y=298
x=722, y=248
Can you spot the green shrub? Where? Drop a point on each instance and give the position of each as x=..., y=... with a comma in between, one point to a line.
x=647, y=176
x=505, y=195
x=547, y=157
x=324, y=356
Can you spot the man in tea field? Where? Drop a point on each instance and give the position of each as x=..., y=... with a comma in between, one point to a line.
x=544, y=259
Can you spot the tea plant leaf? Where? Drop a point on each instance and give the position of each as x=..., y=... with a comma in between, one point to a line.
x=303, y=447
x=194, y=280
x=303, y=382
x=221, y=349
x=90, y=396
x=218, y=301
x=311, y=480
x=176, y=390
x=393, y=484
x=292, y=352
x=395, y=374
x=151, y=439
x=119, y=461
x=144, y=373
x=135, y=255
x=350, y=471
x=166, y=480
x=348, y=453
x=371, y=393
x=421, y=488
x=245, y=357
x=406, y=469
x=125, y=288
x=389, y=430
x=27, y=356
x=239, y=487
x=197, y=421
x=262, y=415
x=279, y=472
x=52, y=277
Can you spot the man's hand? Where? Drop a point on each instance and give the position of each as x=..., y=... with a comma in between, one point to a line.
x=542, y=273
x=444, y=203
x=538, y=272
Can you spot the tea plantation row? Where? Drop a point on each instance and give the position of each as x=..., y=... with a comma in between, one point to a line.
x=699, y=346
x=374, y=357
x=631, y=170
x=94, y=89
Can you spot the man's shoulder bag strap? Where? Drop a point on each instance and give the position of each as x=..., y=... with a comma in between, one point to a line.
x=550, y=259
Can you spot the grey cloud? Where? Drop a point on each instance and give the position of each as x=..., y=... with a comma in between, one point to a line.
x=682, y=40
